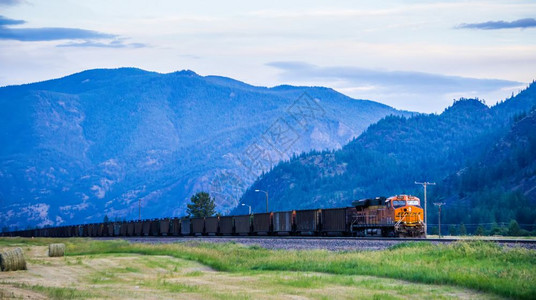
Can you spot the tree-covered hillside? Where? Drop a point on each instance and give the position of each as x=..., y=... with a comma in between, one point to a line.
x=397, y=151
x=498, y=187
x=93, y=143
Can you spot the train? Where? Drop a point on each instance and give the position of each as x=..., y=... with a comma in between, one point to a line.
x=397, y=216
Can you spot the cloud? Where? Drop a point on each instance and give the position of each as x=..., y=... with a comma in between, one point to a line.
x=5, y=21
x=417, y=91
x=401, y=81
x=50, y=34
x=10, y=2
x=112, y=44
x=7, y=32
x=90, y=38
x=365, y=11
x=493, y=25
x=191, y=56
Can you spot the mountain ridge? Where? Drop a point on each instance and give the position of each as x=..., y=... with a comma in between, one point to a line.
x=102, y=139
x=390, y=155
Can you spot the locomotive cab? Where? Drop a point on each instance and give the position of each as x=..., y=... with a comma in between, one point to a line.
x=408, y=215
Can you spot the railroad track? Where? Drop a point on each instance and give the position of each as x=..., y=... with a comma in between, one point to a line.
x=315, y=237
x=338, y=243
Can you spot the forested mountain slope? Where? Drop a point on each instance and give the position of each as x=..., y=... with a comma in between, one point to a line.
x=397, y=151
x=94, y=143
x=498, y=187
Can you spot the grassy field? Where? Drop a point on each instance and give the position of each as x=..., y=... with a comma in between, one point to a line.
x=117, y=269
x=481, y=237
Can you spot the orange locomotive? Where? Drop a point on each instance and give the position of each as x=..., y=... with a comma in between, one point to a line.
x=397, y=216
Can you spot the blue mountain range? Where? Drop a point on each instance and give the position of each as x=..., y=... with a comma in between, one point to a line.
x=112, y=141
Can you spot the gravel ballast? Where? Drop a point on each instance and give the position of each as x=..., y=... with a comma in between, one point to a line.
x=293, y=243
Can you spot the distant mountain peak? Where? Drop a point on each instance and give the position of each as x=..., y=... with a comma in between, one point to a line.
x=284, y=87
x=186, y=72
x=469, y=102
x=469, y=105
x=110, y=71
x=288, y=87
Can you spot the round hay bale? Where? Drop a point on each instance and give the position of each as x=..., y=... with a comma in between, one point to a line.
x=12, y=260
x=56, y=250
x=22, y=261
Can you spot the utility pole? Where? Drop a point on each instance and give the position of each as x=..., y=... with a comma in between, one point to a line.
x=425, y=184
x=265, y=192
x=439, y=204
x=139, y=209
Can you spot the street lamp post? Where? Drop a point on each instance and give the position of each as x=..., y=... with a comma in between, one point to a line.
x=249, y=206
x=425, y=184
x=266, y=193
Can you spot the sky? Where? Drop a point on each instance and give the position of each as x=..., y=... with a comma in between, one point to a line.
x=412, y=55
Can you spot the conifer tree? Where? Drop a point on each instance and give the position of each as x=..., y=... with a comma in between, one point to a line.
x=202, y=205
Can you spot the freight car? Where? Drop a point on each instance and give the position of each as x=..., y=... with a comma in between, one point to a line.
x=397, y=216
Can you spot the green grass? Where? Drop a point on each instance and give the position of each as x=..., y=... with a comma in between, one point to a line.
x=173, y=287
x=23, y=242
x=59, y=292
x=194, y=274
x=132, y=270
x=302, y=281
x=481, y=266
x=101, y=277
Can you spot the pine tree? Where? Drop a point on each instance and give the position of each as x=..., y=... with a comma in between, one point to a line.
x=463, y=231
x=453, y=230
x=514, y=229
x=202, y=206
